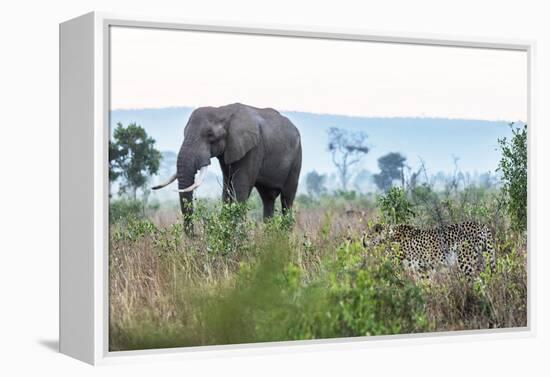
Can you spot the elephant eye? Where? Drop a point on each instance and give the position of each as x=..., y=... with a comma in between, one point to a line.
x=210, y=135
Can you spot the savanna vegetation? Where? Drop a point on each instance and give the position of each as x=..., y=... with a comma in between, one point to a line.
x=307, y=275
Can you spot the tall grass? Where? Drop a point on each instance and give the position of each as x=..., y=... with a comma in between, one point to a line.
x=238, y=280
x=272, y=281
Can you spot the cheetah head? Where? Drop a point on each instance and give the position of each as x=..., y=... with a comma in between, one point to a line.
x=377, y=234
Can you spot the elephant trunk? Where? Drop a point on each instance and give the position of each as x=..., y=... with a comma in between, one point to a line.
x=187, y=165
x=186, y=200
x=186, y=205
x=198, y=180
x=185, y=175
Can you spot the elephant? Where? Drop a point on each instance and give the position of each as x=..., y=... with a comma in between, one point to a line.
x=255, y=147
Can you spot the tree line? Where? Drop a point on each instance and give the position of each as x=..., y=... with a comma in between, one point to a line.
x=347, y=149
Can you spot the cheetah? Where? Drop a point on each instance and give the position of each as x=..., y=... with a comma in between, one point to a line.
x=425, y=250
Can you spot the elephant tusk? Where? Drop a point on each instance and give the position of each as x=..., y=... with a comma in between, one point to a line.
x=198, y=181
x=170, y=180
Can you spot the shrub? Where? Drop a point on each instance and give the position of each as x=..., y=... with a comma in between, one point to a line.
x=132, y=230
x=248, y=310
x=240, y=281
x=357, y=295
x=430, y=210
x=225, y=231
x=281, y=222
x=120, y=210
x=395, y=206
x=513, y=166
x=169, y=239
x=370, y=296
x=505, y=290
x=495, y=299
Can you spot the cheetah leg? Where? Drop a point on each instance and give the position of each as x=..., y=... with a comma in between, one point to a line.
x=464, y=263
x=423, y=269
x=481, y=262
x=490, y=249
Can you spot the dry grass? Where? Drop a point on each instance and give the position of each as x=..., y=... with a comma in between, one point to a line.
x=494, y=300
x=160, y=279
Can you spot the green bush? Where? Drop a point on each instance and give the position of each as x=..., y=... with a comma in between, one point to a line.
x=226, y=229
x=366, y=295
x=169, y=239
x=123, y=209
x=395, y=207
x=513, y=166
x=504, y=290
x=239, y=280
x=356, y=295
x=248, y=310
x=494, y=299
x=132, y=229
x=281, y=222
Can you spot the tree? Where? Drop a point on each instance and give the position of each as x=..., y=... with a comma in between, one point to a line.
x=347, y=148
x=132, y=157
x=391, y=168
x=315, y=183
x=513, y=166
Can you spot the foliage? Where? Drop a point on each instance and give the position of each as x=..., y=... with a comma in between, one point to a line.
x=428, y=205
x=247, y=311
x=507, y=285
x=123, y=209
x=225, y=230
x=513, y=166
x=305, y=201
x=493, y=300
x=315, y=183
x=348, y=196
x=337, y=200
x=360, y=295
x=472, y=203
x=347, y=149
x=132, y=157
x=132, y=229
x=269, y=299
x=395, y=206
x=305, y=274
x=391, y=168
x=280, y=223
x=300, y=277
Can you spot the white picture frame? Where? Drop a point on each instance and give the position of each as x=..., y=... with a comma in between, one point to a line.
x=84, y=191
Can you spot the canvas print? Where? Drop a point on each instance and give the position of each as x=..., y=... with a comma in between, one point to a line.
x=268, y=188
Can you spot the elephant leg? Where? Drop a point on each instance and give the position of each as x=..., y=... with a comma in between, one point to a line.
x=236, y=187
x=268, y=200
x=291, y=186
x=287, y=201
x=240, y=188
x=227, y=194
x=239, y=178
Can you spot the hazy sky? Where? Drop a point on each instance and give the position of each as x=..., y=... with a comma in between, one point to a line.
x=160, y=68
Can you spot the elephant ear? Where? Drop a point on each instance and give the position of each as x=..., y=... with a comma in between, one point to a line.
x=243, y=134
